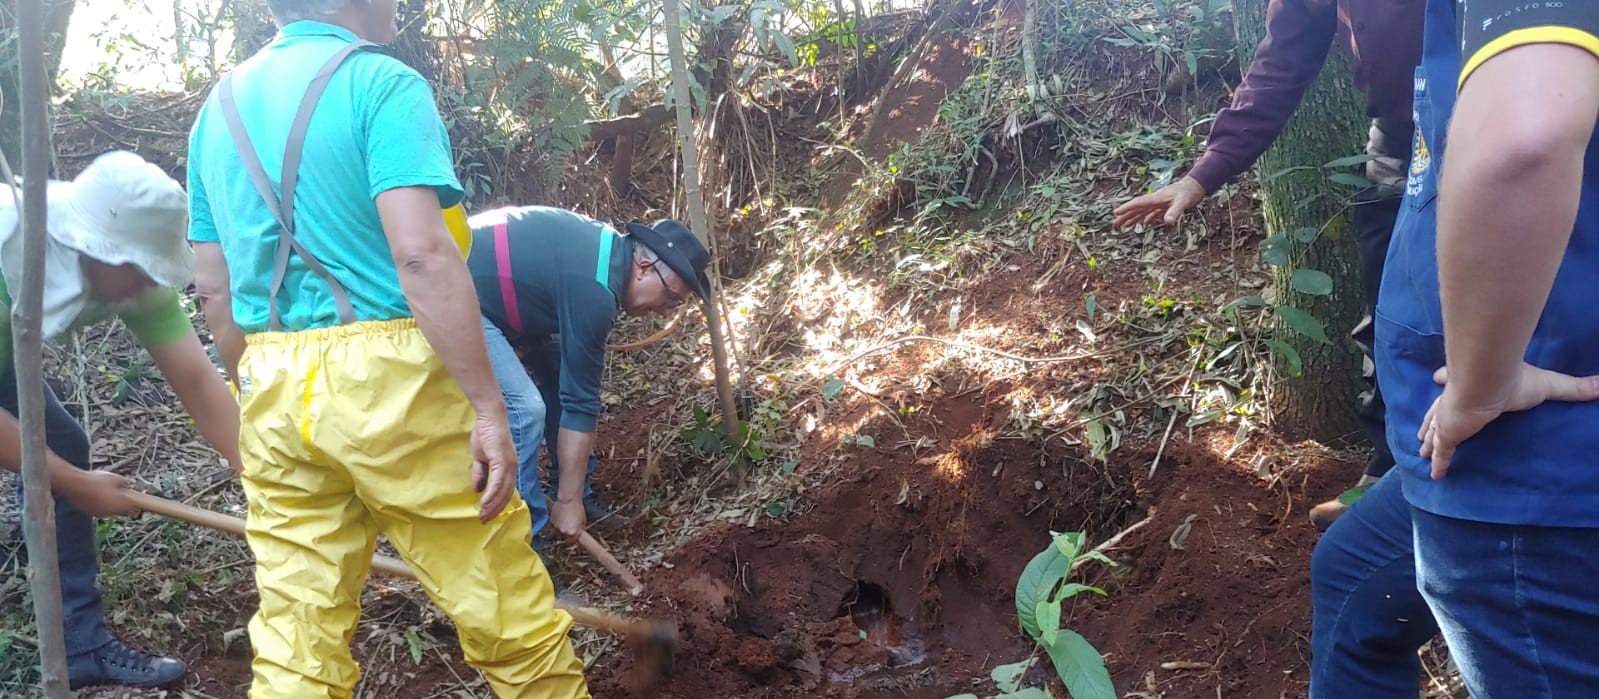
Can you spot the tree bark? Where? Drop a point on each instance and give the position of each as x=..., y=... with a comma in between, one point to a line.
x=1330, y=124
x=57, y=17
x=38, y=523
x=696, y=210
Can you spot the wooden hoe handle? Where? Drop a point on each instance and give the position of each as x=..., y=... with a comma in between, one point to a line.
x=394, y=567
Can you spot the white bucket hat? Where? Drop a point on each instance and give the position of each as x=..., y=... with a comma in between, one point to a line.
x=124, y=210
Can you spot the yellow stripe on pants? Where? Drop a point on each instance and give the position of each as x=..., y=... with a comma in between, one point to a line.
x=357, y=430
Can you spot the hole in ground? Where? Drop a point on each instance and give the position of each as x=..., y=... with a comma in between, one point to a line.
x=872, y=610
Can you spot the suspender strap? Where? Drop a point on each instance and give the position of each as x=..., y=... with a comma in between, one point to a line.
x=282, y=208
x=502, y=262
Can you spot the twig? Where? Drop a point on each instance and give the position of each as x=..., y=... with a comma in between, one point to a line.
x=1163, y=440
x=1111, y=543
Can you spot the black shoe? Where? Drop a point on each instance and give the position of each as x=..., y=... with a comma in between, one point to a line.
x=116, y=664
x=595, y=511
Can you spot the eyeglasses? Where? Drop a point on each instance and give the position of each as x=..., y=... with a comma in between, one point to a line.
x=673, y=300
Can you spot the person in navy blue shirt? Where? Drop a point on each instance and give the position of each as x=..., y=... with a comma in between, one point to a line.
x=551, y=284
x=1487, y=355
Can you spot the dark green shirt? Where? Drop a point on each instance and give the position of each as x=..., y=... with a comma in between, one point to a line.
x=560, y=287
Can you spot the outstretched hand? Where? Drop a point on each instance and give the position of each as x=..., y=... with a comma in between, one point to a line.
x=1449, y=422
x=1164, y=205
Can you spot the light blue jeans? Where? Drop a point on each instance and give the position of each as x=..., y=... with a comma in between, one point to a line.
x=524, y=408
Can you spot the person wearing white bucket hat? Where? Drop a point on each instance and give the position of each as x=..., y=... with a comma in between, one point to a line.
x=116, y=247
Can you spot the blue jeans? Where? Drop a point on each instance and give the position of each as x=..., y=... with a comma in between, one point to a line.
x=1368, y=617
x=524, y=408
x=1519, y=605
x=544, y=360
x=83, y=619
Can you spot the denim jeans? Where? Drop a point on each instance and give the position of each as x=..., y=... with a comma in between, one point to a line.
x=544, y=360
x=1368, y=617
x=524, y=408
x=1519, y=605
x=83, y=618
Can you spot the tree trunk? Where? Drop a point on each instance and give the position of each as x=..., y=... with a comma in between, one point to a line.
x=35, y=64
x=57, y=16
x=1331, y=124
x=696, y=210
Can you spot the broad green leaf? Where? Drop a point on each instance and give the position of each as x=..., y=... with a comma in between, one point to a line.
x=1346, y=161
x=1048, y=622
x=1009, y=677
x=1080, y=667
x=1302, y=323
x=1312, y=281
x=1037, y=581
x=1296, y=366
x=1275, y=250
x=865, y=440
x=1306, y=234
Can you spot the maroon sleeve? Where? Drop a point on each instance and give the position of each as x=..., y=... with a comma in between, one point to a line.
x=1298, y=35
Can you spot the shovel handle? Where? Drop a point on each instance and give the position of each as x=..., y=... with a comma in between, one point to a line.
x=603, y=555
x=386, y=565
x=381, y=563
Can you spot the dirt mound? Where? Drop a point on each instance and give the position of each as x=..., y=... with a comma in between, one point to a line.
x=1213, y=596
x=900, y=581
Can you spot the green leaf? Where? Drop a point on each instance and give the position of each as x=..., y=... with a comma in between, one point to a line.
x=832, y=387
x=1080, y=667
x=1348, y=497
x=1312, y=281
x=1048, y=622
x=1346, y=161
x=1009, y=677
x=1306, y=234
x=755, y=452
x=1296, y=366
x=1275, y=250
x=965, y=696
x=1091, y=303
x=865, y=440
x=1302, y=323
x=1349, y=180
x=1069, y=543
x=1029, y=693
x=1038, y=579
x=414, y=642
x=776, y=508
x=1070, y=590
x=790, y=465
x=786, y=45
x=1096, y=556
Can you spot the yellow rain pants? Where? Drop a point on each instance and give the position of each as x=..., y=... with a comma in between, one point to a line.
x=356, y=430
